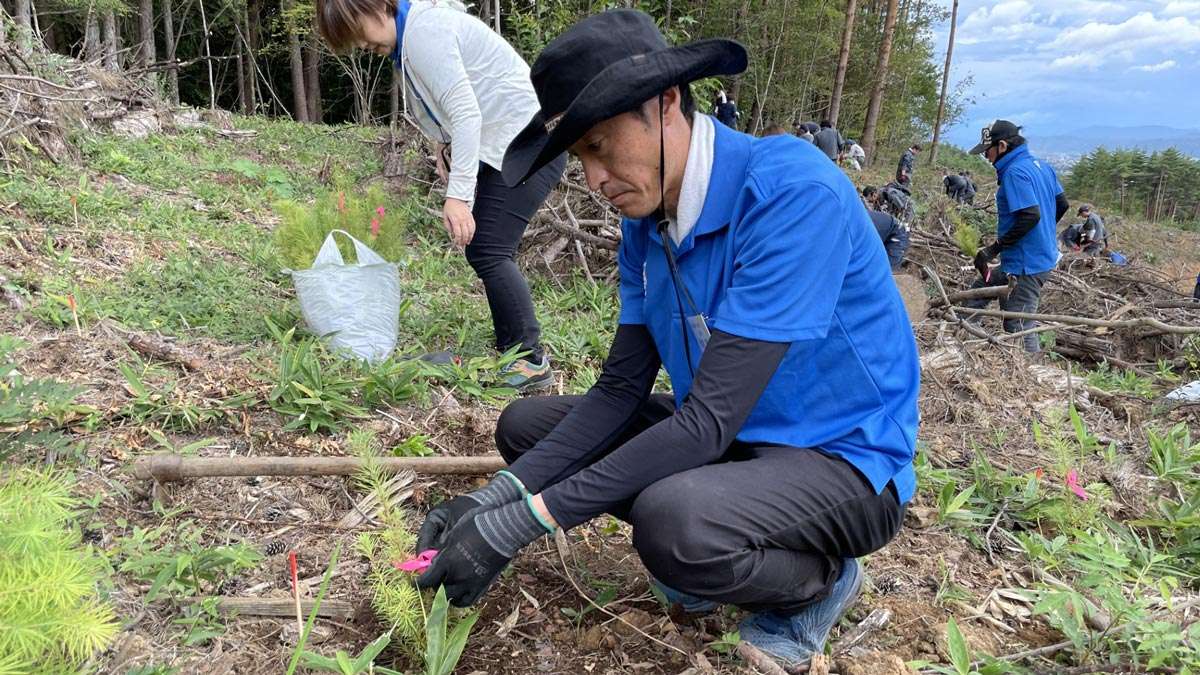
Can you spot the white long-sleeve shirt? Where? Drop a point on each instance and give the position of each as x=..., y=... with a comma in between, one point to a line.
x=475, y=84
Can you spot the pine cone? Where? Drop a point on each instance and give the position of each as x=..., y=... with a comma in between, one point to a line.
x=274, y=548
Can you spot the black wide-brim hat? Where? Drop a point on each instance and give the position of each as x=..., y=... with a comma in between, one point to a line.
x=605, y=65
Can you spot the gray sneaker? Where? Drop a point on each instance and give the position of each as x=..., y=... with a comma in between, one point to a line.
x=528, y=376
x=794, y=638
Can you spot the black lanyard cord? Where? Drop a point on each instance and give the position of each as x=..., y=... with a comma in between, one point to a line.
x=676, y=281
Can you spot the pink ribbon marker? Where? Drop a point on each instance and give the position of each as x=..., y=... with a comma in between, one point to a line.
x=1073, y=485
x=418, y=564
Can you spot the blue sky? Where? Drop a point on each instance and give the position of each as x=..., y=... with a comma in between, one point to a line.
x=1058, y=65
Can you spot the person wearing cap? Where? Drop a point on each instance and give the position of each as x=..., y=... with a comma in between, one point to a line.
x=750, y=271
x=804, y=132
x=829, y=140
x=904, y=170
x=471, y=94
x=1092, y=235
x=855, y=156
x=1029, y=204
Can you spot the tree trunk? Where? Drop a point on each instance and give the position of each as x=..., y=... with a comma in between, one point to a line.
x=243, y=92
x=253, y=36
x=111, y=42
x=146, y=33
x=839, y=79
x=173, y=68
x=937, y=125
x=93, y=47
x=312, y=82
x=881, y=74
x=3, y=27
x=299, y=98
x=24, y=18
x=212, y=87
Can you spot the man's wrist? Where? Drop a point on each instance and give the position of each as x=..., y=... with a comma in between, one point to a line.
x=538, y=505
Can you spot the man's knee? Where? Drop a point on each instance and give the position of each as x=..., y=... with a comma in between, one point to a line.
x=674, y=538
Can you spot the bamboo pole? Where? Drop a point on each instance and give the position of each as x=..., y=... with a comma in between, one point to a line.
x=173, y=467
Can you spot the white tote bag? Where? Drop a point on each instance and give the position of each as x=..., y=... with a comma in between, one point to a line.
x=356, y=307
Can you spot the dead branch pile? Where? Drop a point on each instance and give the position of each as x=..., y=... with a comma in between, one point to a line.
x=45, y=96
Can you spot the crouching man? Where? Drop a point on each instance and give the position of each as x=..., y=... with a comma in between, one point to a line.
x=750, y=271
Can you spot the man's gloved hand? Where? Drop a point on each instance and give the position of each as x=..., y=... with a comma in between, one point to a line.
x=503, y=489
x=982, y=258
x=479, y=548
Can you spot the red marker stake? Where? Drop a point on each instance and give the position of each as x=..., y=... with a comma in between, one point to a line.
x=296, y=593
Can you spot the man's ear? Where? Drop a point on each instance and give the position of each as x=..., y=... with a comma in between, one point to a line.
x=1002, y=147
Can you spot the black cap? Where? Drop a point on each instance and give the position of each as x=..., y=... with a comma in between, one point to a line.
x=999, y=130
x=605, y=65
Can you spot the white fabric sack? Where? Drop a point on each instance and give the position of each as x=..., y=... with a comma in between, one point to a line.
x=357, y=307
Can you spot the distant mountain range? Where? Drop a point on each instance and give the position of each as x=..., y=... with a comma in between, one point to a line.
x=1066, y=148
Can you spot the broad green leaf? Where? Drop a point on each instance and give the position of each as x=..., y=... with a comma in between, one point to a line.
x=960, y=656
x=371, y=651
x=457, y=642
x=435, y=632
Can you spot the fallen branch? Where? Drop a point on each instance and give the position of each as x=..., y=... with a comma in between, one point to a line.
x=173, y=467
x=1176, y=304
x=877, y=619
x=332, y=609
x=573, y=230
x=756, y=658
x=1084, y=321
x=158, y=348
x=988, y=292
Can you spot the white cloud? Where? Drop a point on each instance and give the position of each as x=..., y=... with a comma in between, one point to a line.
x=1081, y=60
x=1141, y=31
x=1004, y=13
x=1182, y=8
x=1157, y=67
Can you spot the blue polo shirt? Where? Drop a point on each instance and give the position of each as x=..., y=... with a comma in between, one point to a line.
x=784, y=251
x=1027, y=181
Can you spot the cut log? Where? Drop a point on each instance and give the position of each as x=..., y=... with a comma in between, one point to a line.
x=988, y=292
x=173, y=467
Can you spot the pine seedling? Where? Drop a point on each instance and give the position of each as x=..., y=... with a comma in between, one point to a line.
x=51, y=617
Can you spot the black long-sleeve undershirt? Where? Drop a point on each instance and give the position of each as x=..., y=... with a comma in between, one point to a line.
x=604, y=413
x=733, y=373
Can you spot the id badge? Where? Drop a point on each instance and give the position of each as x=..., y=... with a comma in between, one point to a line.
x=699, y=329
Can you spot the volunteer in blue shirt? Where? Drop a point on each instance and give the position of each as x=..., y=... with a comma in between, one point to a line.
x=751, y=271
x=1028, y=193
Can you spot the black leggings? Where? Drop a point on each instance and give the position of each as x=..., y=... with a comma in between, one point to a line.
x=501, y=215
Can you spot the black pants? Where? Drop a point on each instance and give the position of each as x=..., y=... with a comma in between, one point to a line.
x=1025, y=296
x=764, y=528
x=501, y=215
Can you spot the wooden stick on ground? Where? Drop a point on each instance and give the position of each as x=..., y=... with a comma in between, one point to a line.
x=333, y=609
x=173, y=467
x=1084, y=321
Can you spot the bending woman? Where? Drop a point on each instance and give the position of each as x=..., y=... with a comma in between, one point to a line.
x=470, y=92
